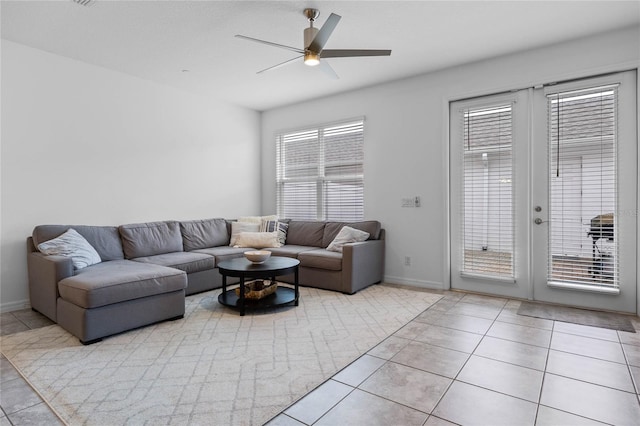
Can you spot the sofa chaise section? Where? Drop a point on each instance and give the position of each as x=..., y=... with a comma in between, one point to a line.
x=105, y=298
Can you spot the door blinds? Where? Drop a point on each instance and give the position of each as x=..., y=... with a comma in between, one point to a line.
x=582, y=129
x=320, y=173
x=487, y=204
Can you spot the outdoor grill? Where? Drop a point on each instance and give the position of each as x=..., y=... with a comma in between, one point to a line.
x=601, y=227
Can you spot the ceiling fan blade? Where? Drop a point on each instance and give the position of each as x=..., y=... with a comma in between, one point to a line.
x=328, y=70
x=257, y=40
x=279, y=65
x=318, y=42
x=347, y=53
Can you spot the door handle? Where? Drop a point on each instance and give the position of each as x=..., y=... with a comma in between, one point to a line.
x=538, y=221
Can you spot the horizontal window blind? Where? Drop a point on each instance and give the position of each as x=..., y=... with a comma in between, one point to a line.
x=582, y=129
x=487, y=204
x=320, y=172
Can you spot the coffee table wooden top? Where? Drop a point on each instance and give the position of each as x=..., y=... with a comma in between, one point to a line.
x=240, y=266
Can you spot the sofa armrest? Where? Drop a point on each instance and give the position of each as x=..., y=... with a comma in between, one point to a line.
x=362, y=265
x=44, y=274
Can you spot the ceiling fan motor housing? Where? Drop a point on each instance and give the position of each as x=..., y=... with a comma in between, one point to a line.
x=309, y=35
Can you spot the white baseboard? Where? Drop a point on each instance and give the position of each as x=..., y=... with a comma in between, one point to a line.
x=413, y=282
x=14, y=306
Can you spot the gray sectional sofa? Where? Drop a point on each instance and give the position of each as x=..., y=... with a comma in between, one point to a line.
x=146, y=270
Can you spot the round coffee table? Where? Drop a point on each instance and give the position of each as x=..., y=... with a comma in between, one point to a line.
x=271, y=268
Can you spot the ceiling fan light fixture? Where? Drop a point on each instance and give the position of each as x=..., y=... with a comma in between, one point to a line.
x=311, y=59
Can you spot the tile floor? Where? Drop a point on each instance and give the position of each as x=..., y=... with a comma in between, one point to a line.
x=19, y=404
x=468, y=359
x=471, y=360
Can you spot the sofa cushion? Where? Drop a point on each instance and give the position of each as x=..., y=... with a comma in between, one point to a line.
x=199, y=234
x=119, y=280
x=321, y=259
x=185, y=261
x=303, y=233
x=290, y=250
x=332, y=228
x=148, y=239
x=104, y=239
x=73, y=245
x=223, y=253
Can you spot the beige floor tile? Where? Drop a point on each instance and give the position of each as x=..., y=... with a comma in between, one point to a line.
x=519, y=333
x=16, y=395
x=284, y=420
x=7, y=372
x=359, y=370
x=412, y=330
x=588, y=400
x=512, y=306
x=389, y=347
x=39, y=414
x=436, y=421
x=513, y=318
x=315, y=404
x=407, y=386
x=495, y=302
x=471, y=405
x=362, y=408
x=520, y=382
x=629, y=338
x=586, y=331
x=449, y=338
x=434, y=359
x=474, y=310
x=635, y=373
x=592, y=370
x=11, y=327
x=513, y=352
x=633, y=354
x=551, y=417
x=460, y=322
x=586, y=346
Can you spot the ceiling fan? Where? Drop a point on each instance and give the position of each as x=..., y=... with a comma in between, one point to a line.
x=314, y=41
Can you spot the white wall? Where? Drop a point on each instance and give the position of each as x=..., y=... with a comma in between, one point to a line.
x=85, y=145
x=406, y=139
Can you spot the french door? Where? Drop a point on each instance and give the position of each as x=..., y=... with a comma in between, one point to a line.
x=544, y=193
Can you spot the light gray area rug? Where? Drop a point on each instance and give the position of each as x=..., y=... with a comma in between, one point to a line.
x=213, y=367
x=577, y=316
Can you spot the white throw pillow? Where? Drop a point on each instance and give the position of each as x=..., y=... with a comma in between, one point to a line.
x=257, y=219
x=72, y=244
x=347, y=235
x=238, y=227
x=257, y=239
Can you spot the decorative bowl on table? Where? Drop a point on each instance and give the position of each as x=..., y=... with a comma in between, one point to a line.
x=257, y=256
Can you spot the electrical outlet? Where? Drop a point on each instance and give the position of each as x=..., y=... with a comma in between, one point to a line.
x=407, y=261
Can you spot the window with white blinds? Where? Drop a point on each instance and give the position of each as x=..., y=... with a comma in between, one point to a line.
x=582, y=162
x=320, y=172
x=488, y=204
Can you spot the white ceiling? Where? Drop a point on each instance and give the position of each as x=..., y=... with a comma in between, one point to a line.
x=157, y=40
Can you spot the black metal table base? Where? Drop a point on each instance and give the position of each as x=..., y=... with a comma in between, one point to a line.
x=282, y=296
